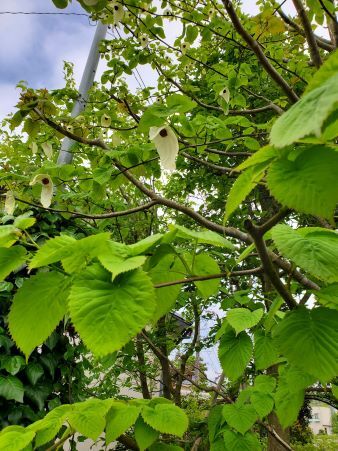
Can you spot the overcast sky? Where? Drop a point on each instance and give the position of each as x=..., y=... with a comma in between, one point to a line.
x=33, y=47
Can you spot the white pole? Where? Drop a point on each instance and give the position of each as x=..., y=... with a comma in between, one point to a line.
x=87, y=80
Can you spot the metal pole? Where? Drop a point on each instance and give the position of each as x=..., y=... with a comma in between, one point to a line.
x=87, y=80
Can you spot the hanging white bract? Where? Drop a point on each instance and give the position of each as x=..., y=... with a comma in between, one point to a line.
x=117, y=10
x=46, y=190
x=9, y=203
x=184, y=47
x=105, y=120
x=166, y=145
x=48, y=149
x=225, y=93
x=144, y=41
x=33, y=147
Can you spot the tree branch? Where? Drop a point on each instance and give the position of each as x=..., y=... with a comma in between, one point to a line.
x=310, y=37
x=254, y=45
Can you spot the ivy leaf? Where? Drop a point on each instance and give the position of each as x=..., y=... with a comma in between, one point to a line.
x=243, y=318
x=307, y=116
x=308, y=339
x=12, y=364
x=11, y=388
x=145, y=435
x=312, y=248
x=205, y=236
x=237, y=442
x=120, y=418
x=108, y=314
x=166, y=418
x=309, y=183
x=37, y=308
x=88, y=417
x=234, y=353
x=243, y=186
x=34, y=372
x=265, y=351
x=239, y=416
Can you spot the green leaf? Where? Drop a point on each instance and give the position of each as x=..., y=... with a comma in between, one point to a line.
x=8, y=235
x=118, y=263
x=47, y=428
x=309, y=183
x=88, y=417
x=205, y=236
x=12, y=364
x=23, y=222
x=288, y=404
x=262, y=403
x=168, y=269
x=10, y=259
x=243, y=318
x=38, y=394
x=144, y=245
x=312, y=248
x=145, y=435
x=15, y=441
x=11, y=388
x=328, y=296
x=120, y=418
x=108, y=314
x=60, y=3
x=234, y=353
x=265, y=351
x=238, y=442
x=264, y=384
x=307, y=116
x=166, y=418
x=43, y=297
x=215, y=420
x=266, y=153
x=34, y=372
x=52, y=251
x=326, y=71
x=239, y=416
x=308, y=339
x=180, y=103
x=242, y=187
x=335, y=391
x=204, y=264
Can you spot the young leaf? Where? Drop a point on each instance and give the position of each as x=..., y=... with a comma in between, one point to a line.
x=242, y=318
x=239, y=416
x=120, y=418
x=144, y=434
x=205, y=236
x=308, y=339
x=108, y=314
x=166, y=418
x=88, y=417
x=234, y=353
x=43, y=297
x=15, y=440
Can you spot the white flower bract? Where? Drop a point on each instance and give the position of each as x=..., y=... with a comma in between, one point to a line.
x=184, y=47
x=105, y=120
x=144, y=41
x=47, y=188
x=225, y=93
x=48, y=149
x=166, y=144
x=9, y=203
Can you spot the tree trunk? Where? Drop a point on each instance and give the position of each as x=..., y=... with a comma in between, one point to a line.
x=273, y=444
x=142, y=369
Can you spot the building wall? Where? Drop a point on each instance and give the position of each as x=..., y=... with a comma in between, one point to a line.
x=321, y=419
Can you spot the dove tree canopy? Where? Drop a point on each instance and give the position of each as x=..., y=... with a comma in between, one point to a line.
x=237, y=233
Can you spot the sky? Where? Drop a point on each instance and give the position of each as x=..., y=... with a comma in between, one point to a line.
x=33, y=47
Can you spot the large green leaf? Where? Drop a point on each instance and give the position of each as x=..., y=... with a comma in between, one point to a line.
x=166, y=418
x=204, y=236
x=37, y=308
x=263, y=155
x=169, y=268
x=238, y=442
x=243, y=186
x=34, y=372
x=11, y=388
x=88, y=417
x=264, y=384
x=307, y=116
x=234, y=353
x=243, y=318
x=144, y=245
x=8, y=235
x=108, y=314
x=120, y=418
x=262, y=403
x=15, y=440
x=52, y=251
x=239, y=416
x=203, y=265
x=307, y=184
x=311, y=248
x=326, y=71
x=144, y=434
x=116, y=259
x=308, y=339
x=328, y=296
x=10, y=259
x=265, y=351
x=49, y=426
x=288, y=401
